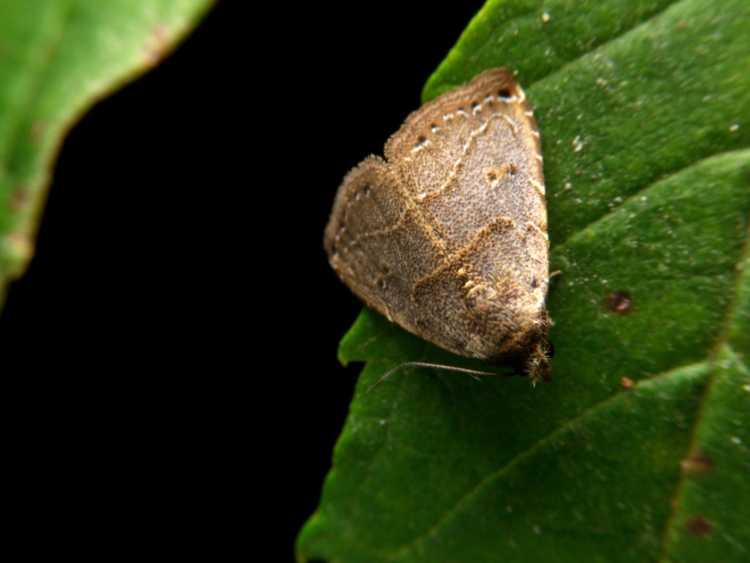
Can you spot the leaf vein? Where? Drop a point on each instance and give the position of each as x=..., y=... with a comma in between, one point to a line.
x=565, y=64
x=721, y=343
x=665, y=178
x=600, y=46
x=539, y=444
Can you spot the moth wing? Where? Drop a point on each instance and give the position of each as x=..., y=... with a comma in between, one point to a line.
x=448, y=237
x=471, y=161
x=473, y=151
x=375, y=243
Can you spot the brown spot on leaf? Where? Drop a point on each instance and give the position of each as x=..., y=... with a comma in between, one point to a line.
x=699, y=526
x=619, y=302
x=157, y=44
x=627, y=383
x=697, y=464
x=18, y=198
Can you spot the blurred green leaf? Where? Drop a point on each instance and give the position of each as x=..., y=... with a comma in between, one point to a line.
x=56, y=59
x=644, y=110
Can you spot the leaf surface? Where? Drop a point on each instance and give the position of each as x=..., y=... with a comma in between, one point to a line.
x=639, y=449
x=57, y=57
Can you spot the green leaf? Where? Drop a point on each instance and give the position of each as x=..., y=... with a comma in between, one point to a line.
x=57, y=57
x=644, y=110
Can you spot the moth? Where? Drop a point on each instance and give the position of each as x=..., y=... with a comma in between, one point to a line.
x=447, y=235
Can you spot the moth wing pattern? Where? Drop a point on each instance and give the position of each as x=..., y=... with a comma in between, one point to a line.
x=372, y=241
x=447, y=236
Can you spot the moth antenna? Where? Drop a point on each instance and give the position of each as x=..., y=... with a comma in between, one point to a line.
x=471, y=372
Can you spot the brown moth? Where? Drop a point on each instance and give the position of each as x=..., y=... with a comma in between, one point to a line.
x=447, y=236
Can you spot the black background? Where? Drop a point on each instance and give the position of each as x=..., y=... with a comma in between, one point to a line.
x=173, y=343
